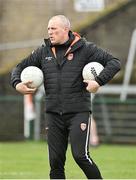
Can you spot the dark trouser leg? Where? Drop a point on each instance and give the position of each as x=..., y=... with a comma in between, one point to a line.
x=79, y=138
x=57, y=143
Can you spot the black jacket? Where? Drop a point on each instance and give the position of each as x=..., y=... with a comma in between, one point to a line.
x=63, y=82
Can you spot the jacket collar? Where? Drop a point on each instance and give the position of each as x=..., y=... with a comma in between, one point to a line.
x=76, y=43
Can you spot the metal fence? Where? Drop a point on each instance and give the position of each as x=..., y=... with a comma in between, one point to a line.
x=11, y=118
x=116, y=120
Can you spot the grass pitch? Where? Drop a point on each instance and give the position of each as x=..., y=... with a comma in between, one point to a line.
x=29, y=160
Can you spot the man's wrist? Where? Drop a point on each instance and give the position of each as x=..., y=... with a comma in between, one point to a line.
x=15, y=83
x=97, y=79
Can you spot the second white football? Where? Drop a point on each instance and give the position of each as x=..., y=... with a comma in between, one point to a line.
x=91, y=70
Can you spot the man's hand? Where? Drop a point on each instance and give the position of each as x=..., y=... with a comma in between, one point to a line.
x=92, y=86
x=24, y=88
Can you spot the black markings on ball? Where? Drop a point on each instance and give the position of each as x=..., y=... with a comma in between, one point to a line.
x=93, y=71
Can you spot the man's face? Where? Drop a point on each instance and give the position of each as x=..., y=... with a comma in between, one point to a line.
x=57, y=32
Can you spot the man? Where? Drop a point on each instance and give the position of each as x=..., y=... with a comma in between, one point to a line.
x=62, y=59
x=94, y=138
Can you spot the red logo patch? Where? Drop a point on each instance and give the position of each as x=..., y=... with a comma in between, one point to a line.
x=70, y=56
x=83, y=126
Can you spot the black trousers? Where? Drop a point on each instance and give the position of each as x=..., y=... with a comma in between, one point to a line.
x=76, y=127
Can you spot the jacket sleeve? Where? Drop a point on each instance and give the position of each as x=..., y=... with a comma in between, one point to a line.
x=34, y=59
x=111, y=64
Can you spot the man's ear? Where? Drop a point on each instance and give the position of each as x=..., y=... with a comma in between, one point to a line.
x=66, y=29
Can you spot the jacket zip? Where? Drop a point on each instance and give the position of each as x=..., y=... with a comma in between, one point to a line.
x=59, y=89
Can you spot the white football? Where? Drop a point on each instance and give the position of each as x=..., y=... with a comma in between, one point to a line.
x=91, y=70
x=34, y=74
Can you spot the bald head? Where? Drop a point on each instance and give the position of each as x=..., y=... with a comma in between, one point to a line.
x=58, y=29
x=63, y=20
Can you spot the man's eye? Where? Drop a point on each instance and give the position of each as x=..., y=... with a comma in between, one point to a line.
x=51, y=28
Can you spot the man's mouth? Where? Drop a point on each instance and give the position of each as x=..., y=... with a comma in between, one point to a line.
x=51, y=38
